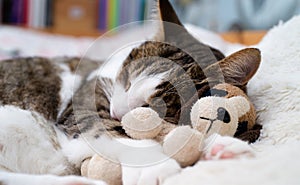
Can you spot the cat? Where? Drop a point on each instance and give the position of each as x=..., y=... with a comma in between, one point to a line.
x=45, y=126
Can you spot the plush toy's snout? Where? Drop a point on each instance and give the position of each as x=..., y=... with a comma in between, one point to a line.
x=247, y=117
x=222, y=115
x=218, y=114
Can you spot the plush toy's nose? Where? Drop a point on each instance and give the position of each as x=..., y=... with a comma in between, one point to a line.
x=223, y=115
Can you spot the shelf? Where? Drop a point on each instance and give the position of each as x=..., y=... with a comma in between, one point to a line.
x=245, y=37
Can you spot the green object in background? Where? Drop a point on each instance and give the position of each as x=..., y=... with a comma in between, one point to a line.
x=111, y=14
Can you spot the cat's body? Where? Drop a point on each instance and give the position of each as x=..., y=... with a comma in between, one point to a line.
x=48, y=109
x=26, y=82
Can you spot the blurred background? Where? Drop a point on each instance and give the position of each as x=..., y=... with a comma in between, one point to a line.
x=79, y=17
x=25, y=24
x=227, y=15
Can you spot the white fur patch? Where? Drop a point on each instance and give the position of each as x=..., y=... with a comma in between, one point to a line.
x=142, y=87
x=149, y=152
x=150, y=175
x=75, y=150
x=27, y=146
x=113, y=64
x=120, y=150
x=70, y=84
x=25, y=179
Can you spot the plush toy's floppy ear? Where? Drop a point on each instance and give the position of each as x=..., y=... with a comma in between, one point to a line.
x=164, y=12
x=240, y=67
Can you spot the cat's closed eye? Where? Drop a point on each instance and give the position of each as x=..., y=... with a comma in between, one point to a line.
x=127, y=87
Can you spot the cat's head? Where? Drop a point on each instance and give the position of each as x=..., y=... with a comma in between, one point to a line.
x=170, y=72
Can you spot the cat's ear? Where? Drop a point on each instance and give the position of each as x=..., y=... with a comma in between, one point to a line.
x=165, y=13
x=240, y=67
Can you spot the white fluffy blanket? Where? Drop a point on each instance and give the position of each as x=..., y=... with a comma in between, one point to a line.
x=275, y=91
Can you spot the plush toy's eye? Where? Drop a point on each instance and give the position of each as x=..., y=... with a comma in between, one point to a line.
x=223, y=115
x=215, y=92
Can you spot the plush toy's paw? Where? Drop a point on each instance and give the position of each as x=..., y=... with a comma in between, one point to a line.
x=224, y=147
x=101, y=168
x=183, y=144
x=152, y=175
x=142, y=123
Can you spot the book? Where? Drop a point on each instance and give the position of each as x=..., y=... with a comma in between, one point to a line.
x=141, y=10
x=16, y=12
x=112, y=14
x=120, y=12
x=123, y=12
x=1, y=10
x=6, y=13
x=117, y=13
x=149, y=5
x=102, y=14
x=13, y=17
x=40, y=13
x=49, y=13
x=25, y=12
x=132, y=10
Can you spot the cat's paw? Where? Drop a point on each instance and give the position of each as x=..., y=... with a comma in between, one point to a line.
x=151, y=175
x=73, y=180
x=225, y=147
x=8, y=178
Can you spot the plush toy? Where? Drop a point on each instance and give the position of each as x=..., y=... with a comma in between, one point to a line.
x=103, y=169
x=220, y=112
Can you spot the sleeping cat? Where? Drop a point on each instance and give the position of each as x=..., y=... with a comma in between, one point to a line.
x=45, y=126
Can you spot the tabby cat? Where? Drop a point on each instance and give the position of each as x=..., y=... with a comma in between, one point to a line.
x=44, y=125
